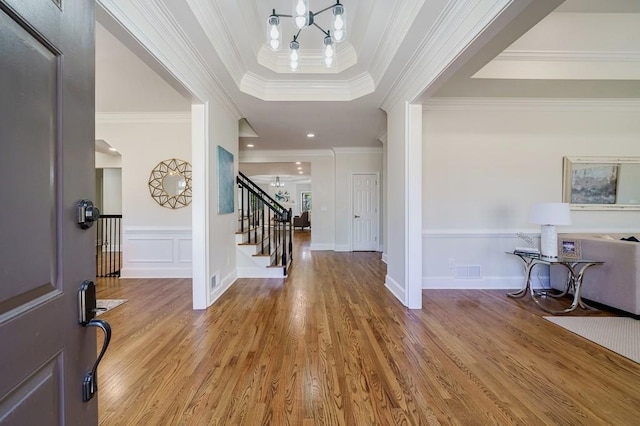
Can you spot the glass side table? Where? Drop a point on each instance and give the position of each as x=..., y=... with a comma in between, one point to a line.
x=576, y=269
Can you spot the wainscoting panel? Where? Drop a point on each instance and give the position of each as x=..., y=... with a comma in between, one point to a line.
x=149, y=249
x=156, y=252
x=184, y=247
x=455, y=259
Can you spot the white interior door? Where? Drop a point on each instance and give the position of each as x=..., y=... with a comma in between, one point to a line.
x=365, y=212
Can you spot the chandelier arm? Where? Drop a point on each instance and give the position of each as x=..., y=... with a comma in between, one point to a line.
x=280, y=15
x=295, y=37
x=328, y=7
x=320, y=28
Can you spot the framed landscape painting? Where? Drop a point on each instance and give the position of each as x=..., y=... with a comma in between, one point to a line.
x=594, y=184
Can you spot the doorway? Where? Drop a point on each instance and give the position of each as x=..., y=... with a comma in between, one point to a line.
x=365, y=207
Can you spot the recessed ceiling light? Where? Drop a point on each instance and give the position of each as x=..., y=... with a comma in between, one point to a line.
x=249, y=145
x=112, y=149
x=311, y=135
x=300, y=173
x=299, y=168
x=298, y=163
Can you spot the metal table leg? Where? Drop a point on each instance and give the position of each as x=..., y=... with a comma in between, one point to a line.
x=528, y=267
x=575, y=281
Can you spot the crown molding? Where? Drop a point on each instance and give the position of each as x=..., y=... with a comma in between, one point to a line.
x=308, y=90
x=245, y=130
x=567, y=56
x=152, y=25
x=456, y=28
x=358, y=150
x=531, y=104
x=142, y=117
x=211, y=19
x=311, y=60
x=402, y=18
x=283, y=154
x=444, y=26
x=382, y=137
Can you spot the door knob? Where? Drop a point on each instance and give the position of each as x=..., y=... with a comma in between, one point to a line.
x=87, y=214
x=356, y=216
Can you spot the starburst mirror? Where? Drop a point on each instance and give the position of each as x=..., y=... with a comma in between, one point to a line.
x=170, y=183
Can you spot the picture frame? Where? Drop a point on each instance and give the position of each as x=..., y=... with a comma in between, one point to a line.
x=305, y=201
x=570, y=249
x=601, y=183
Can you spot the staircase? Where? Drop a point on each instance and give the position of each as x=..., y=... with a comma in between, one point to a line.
x=264, y=236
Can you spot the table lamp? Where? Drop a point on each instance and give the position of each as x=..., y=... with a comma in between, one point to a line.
x=548, y=215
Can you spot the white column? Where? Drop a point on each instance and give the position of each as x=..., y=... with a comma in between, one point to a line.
x=404, y=204
x=200, y=205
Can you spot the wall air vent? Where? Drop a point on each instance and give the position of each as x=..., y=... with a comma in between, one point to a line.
x=468, y=272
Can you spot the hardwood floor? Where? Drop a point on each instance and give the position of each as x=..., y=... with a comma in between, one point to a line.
x=331, y=346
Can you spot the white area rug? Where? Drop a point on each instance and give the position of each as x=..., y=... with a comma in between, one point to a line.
x=105, y=305
x=621, y=335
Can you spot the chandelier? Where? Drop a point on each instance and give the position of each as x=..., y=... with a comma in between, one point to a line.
x=303, y=17
x=277, y=183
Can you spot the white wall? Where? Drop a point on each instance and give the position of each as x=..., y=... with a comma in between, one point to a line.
x=486, y=162
x=322, y=187
x=348, y=162
x=111, y=191
x=330, y=217
x=105, y=161
x=222, y=131
x=156, y=240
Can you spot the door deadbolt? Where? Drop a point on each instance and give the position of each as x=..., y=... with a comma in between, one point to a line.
x=87, y=214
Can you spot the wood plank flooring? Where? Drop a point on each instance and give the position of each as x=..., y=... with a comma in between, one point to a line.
x=331, y=346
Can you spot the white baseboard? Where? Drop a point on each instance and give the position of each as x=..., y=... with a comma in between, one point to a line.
x=225, y=284
x=486, y=283
x=396, y=289
x=171, y=272
x=321, y=246
x=342, y=247
x=384, y=257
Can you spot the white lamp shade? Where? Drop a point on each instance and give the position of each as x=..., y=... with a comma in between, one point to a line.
x=550, y=214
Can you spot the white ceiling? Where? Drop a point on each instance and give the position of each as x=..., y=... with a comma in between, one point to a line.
x=599, y=39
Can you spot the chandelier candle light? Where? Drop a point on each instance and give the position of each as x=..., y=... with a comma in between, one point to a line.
x=277, y=183
x=303, y=17
x=548, y=215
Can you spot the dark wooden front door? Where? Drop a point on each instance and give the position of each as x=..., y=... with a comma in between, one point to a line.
x=46, y=166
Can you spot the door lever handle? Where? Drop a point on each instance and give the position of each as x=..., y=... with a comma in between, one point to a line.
x=356, y=216
x=90, y=382
x=86, y=316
